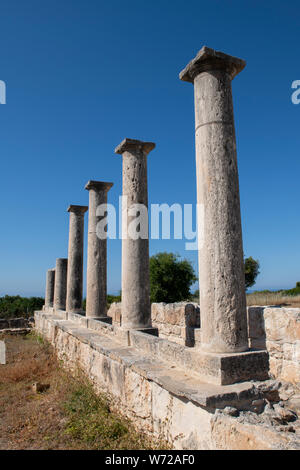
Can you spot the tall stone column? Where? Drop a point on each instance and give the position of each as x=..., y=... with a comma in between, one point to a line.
x=96, y=294
x=60, y=286
x=75, y=259
x=136, y=310
x=221, y=265
x=50, y=281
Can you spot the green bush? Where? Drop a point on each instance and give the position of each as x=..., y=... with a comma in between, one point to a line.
x=110, y=300
x=113, y=298
x=292, y=292
x=251, y=271
x=17, y=306
x=170, y=278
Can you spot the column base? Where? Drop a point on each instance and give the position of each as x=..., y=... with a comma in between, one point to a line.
x=229, y=368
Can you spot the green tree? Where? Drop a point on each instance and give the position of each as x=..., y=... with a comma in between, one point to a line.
x=16, y=306
x=251, y=271
x=170, y=278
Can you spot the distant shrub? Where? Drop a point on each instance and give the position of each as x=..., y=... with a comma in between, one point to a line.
x=251, y=271
x=294, y=291
x=17, y=306
x=170, y=278
x=113, y=298
x=110, y=300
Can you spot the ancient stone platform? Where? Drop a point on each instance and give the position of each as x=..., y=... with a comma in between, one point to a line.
x=146, y=381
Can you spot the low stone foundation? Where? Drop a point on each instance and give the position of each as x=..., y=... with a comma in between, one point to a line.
x=277, y=330
x=13, y=323
x=163, y=394
x=178, y=322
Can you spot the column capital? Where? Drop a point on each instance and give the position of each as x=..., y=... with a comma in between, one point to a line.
x=98, y=185
x=79, y=210
x=133, y=145
x=209, y=59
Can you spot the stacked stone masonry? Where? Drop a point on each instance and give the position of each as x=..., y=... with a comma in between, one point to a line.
x=160, y=389
x=276, y=329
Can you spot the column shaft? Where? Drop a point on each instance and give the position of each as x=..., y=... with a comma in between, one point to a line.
x=96, y=296
x=60, y=289
x=75, y=259
x=221, y=265
x=136, y=309
x=50, y=281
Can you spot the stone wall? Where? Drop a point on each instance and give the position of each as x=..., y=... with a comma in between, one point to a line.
x=278, y=330
x=13, y=323
x=167, y=401
x=176, y=322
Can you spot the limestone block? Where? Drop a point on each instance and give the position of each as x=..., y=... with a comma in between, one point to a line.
x=256, y=327
x=282, y=324
x=230, y=433
x=115, y=312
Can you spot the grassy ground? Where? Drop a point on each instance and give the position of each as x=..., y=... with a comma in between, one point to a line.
x=273, y=298
x=68, y=415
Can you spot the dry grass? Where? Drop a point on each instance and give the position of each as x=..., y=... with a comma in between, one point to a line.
x=67, y=416
x=273, y=298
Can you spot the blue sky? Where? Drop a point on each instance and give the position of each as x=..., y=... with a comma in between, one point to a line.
x=82, y=75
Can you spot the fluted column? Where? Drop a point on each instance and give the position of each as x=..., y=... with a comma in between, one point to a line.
x=221, y=265
x=75, y=259
x=96, y=293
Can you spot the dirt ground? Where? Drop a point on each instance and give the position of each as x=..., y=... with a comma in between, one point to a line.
x=67, y=415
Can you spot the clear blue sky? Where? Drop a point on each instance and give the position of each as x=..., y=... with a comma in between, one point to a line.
x=82, y=75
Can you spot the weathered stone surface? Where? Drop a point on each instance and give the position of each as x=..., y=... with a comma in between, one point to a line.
x=60, y=286
x=164, y=400
x=115, y=312
x=75, y=258
x=154, y=368
x=221, y=264
x=176, y=322
x=223, y=369
x=2, y=353
x=280, y=335
x=277, y=329
x=136, y=312
x=236, y=433
x=96, y=294
x=256, y=327
x=209, y=59
x=50, y=282
x=15, y=331
x=11, y=323
x=214, y=368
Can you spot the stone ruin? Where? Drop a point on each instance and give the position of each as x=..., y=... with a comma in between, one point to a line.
x=195, y=378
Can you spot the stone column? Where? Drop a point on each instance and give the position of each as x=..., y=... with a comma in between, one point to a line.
x=50, y=281
x=60, y=286
x=221, y=264
x=96, y=294
x=75, y=259
x=136, y=310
